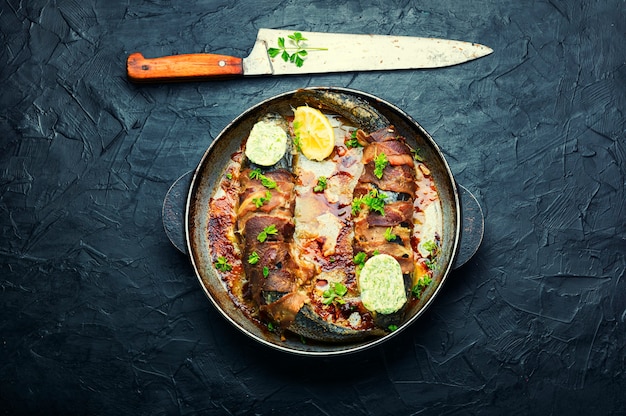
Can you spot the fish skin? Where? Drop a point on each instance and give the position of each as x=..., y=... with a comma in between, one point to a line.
x=356, y=110
x=362, y=115
x=306, y=322
x=310, y=325
x=370, y=226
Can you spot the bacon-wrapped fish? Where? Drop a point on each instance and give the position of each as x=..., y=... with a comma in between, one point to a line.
x=302, y=238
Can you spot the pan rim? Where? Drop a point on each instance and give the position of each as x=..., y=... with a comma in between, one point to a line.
x=333, y=349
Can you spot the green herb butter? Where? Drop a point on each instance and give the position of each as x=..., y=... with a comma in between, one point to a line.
x=382, y=284
x=267, y=143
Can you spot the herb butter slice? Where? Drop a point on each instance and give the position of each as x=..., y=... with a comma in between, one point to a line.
x=267, y=143
x=382, y=284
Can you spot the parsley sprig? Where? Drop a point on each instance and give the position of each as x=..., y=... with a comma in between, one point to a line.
x=296, y=40
x=265, y=181
x=389, y=235
x=335, y=293
x=222, y=264
x=258, y=202
x=353, y=141
x=380, y=163
x=297, y=141
x=253, y=258
x=359, y=258
x=417, y=154
x=321, y=184
x=433, y=248
x=374, y=200
x=269, y=230
x=422, y=283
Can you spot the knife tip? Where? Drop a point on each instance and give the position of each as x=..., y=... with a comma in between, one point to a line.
x=481, y=51
x=486, y=49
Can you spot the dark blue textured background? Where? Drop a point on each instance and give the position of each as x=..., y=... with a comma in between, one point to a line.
x=99, y=314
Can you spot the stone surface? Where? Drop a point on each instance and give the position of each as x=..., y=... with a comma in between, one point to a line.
x=102, y=315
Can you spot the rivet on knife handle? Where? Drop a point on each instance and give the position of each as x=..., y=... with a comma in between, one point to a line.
x=182, y=67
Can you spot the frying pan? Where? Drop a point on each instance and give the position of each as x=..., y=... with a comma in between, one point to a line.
x=461, y=213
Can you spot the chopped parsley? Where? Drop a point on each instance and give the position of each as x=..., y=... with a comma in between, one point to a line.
x=253, y=258
x=255, y=174
x=422, y=283
x=389, y=235
x=433, y=248
x=416, y=154
x=266, y=271
x=380, y=163
x=359, y=260
x=321, y=184
x=268, y=183
x=374, y=200
x=269, y=230
x=222, y=264
x=265, y=181
x=356, y=205
x=335, y=293
x=353, y=141
x=431, y=264
x=297, y=142
x=258, y=202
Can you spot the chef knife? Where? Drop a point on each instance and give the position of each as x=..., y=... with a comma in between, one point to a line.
x=282, y=52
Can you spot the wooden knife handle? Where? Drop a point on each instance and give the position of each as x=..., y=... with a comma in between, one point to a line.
x=187, y=67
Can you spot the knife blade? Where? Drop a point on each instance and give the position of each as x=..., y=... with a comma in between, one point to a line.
x=282, y=52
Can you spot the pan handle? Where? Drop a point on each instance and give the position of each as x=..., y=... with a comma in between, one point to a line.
x=472, y=227
x=174, y=211
x=472, y=220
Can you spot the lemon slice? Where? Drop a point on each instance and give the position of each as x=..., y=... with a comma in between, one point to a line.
x=314, y=132
x=382, y=284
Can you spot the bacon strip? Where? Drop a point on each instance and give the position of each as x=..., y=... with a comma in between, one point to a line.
x=397, y=152
x=281, y=202
x=371, y=229
x=271, y=278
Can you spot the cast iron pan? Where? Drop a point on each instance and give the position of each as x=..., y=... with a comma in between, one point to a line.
x=462, y=217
